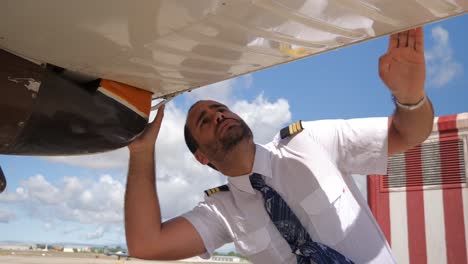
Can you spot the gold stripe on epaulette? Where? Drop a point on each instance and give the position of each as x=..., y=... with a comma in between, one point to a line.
x=291, y=130
x=212, y=191
x=299, y=126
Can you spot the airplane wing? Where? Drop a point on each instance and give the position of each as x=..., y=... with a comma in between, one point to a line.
x=79, y=76
x=169, y=46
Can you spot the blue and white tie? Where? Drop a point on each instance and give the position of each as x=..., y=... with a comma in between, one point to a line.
x=292, y=230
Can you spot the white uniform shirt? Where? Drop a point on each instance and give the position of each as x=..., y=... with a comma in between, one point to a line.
x=312, y=173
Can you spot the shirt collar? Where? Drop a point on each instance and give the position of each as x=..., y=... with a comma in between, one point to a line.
x=262, y=165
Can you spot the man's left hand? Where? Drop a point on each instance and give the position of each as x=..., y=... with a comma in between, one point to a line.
x=402, y=68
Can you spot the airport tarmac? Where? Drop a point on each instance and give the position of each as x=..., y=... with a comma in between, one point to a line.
x=35, y=257
x=71, y=260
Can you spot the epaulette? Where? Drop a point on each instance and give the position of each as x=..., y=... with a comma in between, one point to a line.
x=222, y=188
x=291, y=130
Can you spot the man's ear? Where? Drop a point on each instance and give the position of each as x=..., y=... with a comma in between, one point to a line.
x=201, y=158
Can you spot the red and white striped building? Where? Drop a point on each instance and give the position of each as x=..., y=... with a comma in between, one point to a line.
x=422, y=204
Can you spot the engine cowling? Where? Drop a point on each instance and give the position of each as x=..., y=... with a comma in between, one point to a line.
x=42, y=112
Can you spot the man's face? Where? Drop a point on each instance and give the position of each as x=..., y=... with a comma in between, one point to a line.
x=216, y=129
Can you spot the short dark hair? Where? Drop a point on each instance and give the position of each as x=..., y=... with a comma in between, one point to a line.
x=190, y=140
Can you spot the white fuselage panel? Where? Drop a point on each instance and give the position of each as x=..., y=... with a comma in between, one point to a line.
x=167, y=46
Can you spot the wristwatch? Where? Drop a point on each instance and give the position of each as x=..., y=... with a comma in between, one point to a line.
x=410, y=106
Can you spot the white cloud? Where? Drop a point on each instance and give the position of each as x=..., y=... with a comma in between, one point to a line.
x=72, y=199
x=17, y=196
x=442, y=66
x=264, y=118
x=98, y=201
x=39, y=189
x=47, y=226
x=6, y=216
x=108, y=160
x=96, y=234
x=69, y=230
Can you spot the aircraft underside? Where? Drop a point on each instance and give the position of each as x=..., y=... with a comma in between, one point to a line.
x=79, y=77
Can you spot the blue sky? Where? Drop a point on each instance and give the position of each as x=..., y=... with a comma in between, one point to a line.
x=80, y=199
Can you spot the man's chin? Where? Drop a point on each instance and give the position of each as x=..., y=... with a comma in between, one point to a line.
x=231, y=132
x=231, y=142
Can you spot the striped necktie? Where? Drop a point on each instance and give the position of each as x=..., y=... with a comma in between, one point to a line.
x=292, y=230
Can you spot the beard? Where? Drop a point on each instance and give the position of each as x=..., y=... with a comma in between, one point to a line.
x=233, y=136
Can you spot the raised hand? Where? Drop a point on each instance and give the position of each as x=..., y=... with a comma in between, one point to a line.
x=403, y=67
x=146, y=141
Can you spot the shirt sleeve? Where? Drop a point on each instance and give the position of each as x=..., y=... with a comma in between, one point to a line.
x=358, y=146
x=210, y=227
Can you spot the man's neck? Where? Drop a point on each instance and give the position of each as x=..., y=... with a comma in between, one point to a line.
x=240, y=161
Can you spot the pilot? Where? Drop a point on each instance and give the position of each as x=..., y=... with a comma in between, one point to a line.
x=292, y=200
